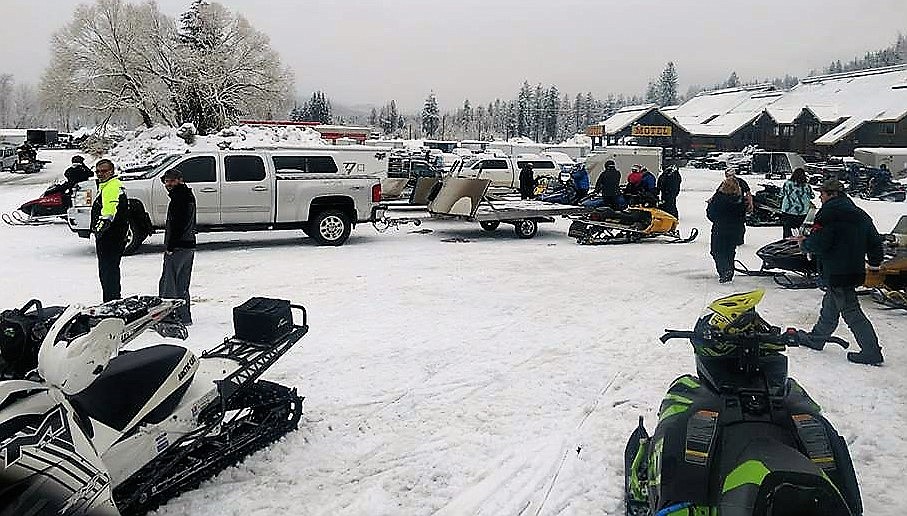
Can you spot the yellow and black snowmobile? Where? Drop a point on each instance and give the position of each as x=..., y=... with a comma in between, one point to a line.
x=609, y=226
x=740, y=438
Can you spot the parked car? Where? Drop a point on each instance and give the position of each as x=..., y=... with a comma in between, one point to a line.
x=248, y=191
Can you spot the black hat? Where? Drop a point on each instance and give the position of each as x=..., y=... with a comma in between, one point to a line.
x=173, y=173
x=78, y=159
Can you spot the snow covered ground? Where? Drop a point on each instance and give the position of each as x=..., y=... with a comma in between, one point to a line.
x=495, y=376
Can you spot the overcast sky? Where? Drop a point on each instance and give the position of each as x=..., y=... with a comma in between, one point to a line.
x=361, y=51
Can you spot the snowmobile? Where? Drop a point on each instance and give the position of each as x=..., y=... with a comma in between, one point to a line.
x=560, y=190
x=608, y=226
x=741, y=438
x=786, y=263
x=766, y=207
x=89, y=434
x=50, y=206
x=882, y=188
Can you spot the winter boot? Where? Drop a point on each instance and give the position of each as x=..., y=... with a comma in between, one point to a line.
x=866, y=357
x=813, y=341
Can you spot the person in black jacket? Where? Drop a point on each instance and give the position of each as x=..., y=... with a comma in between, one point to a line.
x=669, y=189
x=608, y=185
x=179, y=241
x=842, y=237
x=727, y=212
x=527, y=181
x=110, y=226
x=77, y=172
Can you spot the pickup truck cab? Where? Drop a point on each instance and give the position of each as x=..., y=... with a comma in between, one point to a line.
x=247, y=191
x=503, y=172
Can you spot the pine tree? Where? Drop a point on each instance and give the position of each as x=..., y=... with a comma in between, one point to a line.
x=524, y=111
x=373, y=118
x=579, y=112
x=567, y=120
x=538, y=112
x=466, y=117
x=732, y=81
x=431, y=117
x=552, y=109
x=591, y=111
x=666, y=86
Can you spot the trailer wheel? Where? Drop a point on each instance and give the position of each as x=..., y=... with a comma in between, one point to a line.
x=490, y=225
x=526, y=228
x=331, y=227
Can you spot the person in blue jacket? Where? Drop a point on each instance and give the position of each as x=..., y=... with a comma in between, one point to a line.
x=580, y=180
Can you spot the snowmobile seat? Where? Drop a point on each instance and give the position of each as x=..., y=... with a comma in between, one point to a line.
x=128, y=384
x=630, y=217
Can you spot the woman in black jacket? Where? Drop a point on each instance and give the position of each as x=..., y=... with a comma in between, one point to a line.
x=727, y=212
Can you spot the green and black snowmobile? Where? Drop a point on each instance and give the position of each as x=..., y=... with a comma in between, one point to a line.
x=742, y=438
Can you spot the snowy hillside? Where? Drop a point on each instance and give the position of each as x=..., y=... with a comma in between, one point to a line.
x=496, y=376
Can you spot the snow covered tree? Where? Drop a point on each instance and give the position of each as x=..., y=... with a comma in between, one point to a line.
x=6, y=99
x=373, y=118
x=551, y=116
x=663, y=91
x=567, y=121
x=524, y=110
x=317, y=109
x=227, y=69
x=108, y=59
x=466, y=117
x=579, y=112
x=431, y=116
x=732, y=81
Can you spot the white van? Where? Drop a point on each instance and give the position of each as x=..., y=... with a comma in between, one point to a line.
x=776, y=164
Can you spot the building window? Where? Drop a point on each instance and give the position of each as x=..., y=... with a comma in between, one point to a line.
x=888, y=128
x=786, y=130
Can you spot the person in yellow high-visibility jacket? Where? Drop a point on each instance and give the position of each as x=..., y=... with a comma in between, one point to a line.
x=109, y=223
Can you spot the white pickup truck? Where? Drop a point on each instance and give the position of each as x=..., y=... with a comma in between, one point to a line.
x=503, y=172
x=247, y=191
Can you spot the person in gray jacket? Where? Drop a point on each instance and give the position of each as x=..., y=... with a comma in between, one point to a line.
x=179, y=240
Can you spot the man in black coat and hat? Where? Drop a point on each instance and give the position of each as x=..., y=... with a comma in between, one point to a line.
x=844, y=239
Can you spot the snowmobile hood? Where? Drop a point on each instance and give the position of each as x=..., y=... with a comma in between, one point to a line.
x=12, y=390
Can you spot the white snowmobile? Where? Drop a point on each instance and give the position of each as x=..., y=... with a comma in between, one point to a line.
x=90, y=434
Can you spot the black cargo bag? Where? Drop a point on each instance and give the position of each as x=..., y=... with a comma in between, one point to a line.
x=262, y=320
x=21, y=332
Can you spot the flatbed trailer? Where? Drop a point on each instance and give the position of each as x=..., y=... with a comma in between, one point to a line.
x=468, y=199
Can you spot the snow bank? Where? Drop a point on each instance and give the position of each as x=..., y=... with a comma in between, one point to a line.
x=578, y=139
x=142, y=145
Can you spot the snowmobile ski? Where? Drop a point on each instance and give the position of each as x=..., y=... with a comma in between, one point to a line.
x=635, y=456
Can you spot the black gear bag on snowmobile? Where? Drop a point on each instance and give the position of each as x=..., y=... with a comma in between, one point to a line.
x=741, y=438
x=21, y=333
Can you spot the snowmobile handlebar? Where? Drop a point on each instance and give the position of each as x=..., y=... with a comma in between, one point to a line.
x=791, y=337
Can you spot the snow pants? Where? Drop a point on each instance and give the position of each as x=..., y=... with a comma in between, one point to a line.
x=841, y=302
x=723, y=251
x=175, y=278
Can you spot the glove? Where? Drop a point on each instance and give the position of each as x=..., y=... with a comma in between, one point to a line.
x=101, y=226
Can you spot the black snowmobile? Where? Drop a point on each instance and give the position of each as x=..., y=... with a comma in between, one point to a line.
x=559, y=190
x=766, y=207
x=741, y=438
x=882, y=188
x=786, y=263
x=87, y=434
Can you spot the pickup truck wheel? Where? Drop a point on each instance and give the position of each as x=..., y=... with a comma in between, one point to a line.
x=331, y=227
x=526, y=228
x=134, y=237
x=490, y=225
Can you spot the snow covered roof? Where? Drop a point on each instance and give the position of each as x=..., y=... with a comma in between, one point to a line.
x=723, y=112
x=853, y=98
x=625, y=117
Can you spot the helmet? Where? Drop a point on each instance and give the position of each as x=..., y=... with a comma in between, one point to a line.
x=78, y=159
x=610, y=164
x=735, y=313
x=77, y=349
